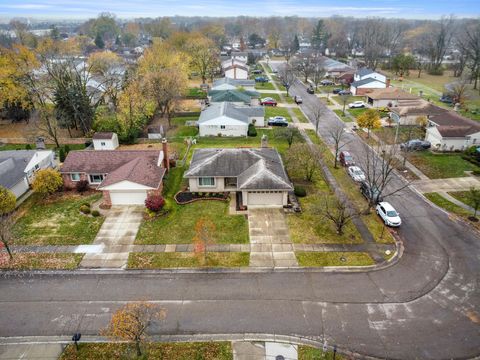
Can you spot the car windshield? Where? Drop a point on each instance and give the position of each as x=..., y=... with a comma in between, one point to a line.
x=358, y=172
x=348, y=158
x=392, y=213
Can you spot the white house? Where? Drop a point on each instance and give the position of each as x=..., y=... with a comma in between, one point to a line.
x=18, y=168
x=366, y=80
x=448, y=131
x=105, y=141
x=256, y=175
x=228, y=119
x=232, y=84
x=235, y=69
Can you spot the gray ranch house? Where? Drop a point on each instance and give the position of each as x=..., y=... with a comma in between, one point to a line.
x=257, y=176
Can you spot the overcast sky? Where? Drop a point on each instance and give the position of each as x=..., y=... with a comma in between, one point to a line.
x=311, y=8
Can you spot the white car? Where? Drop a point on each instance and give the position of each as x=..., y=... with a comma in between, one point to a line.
x=356, y=104
x=356, y=173
x=388, y=214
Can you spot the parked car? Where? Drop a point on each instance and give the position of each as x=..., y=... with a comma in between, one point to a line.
x=416, y=144
x=356, y=104
x=311, y=90
x=326, y=82
x=371, y=192
x=277, y=121
x=344, y=92
x=388, y=214
x=336, y=91
x=447, y=99
x=257, y=71
x=261, y=79
x=346, y=159
x=275, y=71
x=297, y=99
x=268, y=101
x=356, y=173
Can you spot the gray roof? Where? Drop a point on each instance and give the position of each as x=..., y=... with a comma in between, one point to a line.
x=363, y=82
x=233, y=82
x=12, y=166
x=233, y=96
x=260, y=168
x=239, y=112
x=364, y=72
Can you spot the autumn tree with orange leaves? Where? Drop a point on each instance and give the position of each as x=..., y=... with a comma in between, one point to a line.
x=130, y=323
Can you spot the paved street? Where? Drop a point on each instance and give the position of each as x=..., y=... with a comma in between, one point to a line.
x=426, y=306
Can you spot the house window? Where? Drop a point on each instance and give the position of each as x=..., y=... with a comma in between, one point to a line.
x=230, y=182
x=37, y=166
x=222, y=127
x=75, y=176
x=96, y=179
x=102, y=143
x=206, y=181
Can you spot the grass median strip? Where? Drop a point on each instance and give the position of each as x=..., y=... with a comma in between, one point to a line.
x=439, y=200
x=164, y=351
x=310, y=353
x=334, y=258
x=178, y=259
x=40, y=261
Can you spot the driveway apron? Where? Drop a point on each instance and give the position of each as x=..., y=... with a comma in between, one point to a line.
x=115, y=238
x=270, y=244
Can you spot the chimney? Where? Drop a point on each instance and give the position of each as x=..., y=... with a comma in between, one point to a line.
x=166, y=157
x=388, y=83
x=264, y=141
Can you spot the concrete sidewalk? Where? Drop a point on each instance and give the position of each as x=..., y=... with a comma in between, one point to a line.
x=31, y=351
x=446, y=185
x=255, y=350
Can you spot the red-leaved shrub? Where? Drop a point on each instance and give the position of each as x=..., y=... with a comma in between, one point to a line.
x=154, y=202
x=82, y=186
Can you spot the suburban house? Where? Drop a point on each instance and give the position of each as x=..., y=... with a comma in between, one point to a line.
x=18, y=168
x=448, y=131
x=235, y=69
x=233, y=84
x=124, y=177
x=105, y=141
x=228, y=119
x=256, y=175
x=238, y=97
x=388, y=97
x=410, y=110
x=366, y=80
x=334, y=68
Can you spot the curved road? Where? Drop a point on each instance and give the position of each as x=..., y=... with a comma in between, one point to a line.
x=424, y=307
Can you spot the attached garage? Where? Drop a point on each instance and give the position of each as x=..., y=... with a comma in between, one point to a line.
x=128, y=197
x=265, y=198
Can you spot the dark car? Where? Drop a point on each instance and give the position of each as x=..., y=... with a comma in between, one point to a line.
x=326, y=82
x=416, y=144
x=298, y=99
x=311, y=90
x=336, y=91
x=257, y=71
x=346, y=159
x=261, y=79
x=277, y=121
x=447, y=99
x=371, y=192
x=345, y=92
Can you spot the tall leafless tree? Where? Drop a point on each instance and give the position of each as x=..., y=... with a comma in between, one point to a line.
x=337, y=211
x=337, y=135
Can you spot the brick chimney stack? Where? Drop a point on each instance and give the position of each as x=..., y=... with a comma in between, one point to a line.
x=166, y=156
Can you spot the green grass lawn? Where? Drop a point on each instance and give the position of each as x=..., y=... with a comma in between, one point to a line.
x=441, y=166
x=462, y=196
x=179, y=129
x=405, y=133
x=32, y=146
x=355, y=112
x=342, y=117
x=56, y=221
x=271, y=95
x=271, y=111
x=310, y=353
x=334, y=258
x=164, y=351
x=264, y=86
x=40, y=261
x=300, y=116
x=180, y=259
x=439, y=200
x=178, y=225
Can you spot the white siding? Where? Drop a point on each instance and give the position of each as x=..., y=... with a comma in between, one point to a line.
x=106, y=144
x=128, y=197
x=219, y=185
x=259, y=121
x=20, y=188
x=229, y=130
x=236, y=73
x=265, y=198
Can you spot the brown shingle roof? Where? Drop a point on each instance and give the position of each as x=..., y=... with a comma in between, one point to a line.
x=102, y=135
x=416, y=107
x=450, y=124
x=139, y=166
x=391, y=93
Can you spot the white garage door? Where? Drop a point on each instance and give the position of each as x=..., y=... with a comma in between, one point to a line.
x=128, y=197
x=265, y=198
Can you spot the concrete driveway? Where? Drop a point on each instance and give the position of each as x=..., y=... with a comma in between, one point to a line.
x=270, y=244
x=115, y=238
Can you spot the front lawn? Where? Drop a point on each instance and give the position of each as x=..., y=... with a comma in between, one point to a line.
x=178, y=225
x=405, y=133
x=40, y=261
x=272, y=111
x=179, y=129
x=271, y=95
x=440, y=201
x=164, y=351
x=185, y=259
x=56, y=220
x=310, y=353
x=300, y=116
x=344, y=118
x=356, y=112
x=441, y=166
x=334, y=258
x=264, y=86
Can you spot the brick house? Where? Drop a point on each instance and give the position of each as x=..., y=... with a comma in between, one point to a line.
x=125, y=177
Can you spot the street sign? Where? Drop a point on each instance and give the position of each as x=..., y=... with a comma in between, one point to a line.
x=394, y=117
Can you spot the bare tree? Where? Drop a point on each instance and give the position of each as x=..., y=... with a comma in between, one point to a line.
x=469, y=44
x=302, y=160
x=316, y=111
x=337, y=211
x=289, y=134
x=287, y=75
x=304, y=65
x=436, y=41
x=318, y=72
x=337, y=134
x=344, y=99
x=6, y=236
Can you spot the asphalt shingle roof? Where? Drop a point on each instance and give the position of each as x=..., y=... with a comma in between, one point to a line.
x=12, y=166
x=364, y=82
x=233, y=82
x=233, y=96
x=450, y=124
x=238, y=112
x=260, y=168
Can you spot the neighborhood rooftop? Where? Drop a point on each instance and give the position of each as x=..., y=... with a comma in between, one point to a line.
x=233, y=96
x=260, y=168
x=102, y=135
x=450, y=124
x=241, y=113
x=233, y=82
x=393, y=93
x=12, y=166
